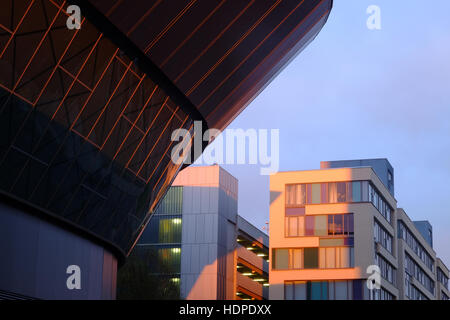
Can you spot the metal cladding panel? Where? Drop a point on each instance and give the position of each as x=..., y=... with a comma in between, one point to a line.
x=35, y=255
x=216, y=51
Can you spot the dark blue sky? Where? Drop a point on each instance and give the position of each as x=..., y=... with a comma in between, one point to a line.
x=357, y=93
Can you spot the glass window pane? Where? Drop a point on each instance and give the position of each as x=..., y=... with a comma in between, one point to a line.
x=300, y=290
x=330, y=224
x=322, y=258
x=324, y=192
x=324, y=290
x=290, y=194
x=311, y=257
x=300, y=194
x=297, y=259
x=309, y=225
x=331, y=258
x=286, y=226
x=289, y=291
x=341, y=192
x=321, y=226
x=341, y=290
x=331, y=290
x=308, y=193
x=332, y=192
x=315, y=193
x=365, y=191
x=345, y=257
x=301, y=226
x=349, y=192
x=281, y=259
x=338, y=224
x=293, y=225
x=356, y=192
x=316, y=290
x=351, y=227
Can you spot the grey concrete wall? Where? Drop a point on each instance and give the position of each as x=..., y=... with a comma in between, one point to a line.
x=208, y=242
x=35, y=254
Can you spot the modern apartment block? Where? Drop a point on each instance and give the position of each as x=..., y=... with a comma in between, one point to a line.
x=202, y=244
x=331, y=229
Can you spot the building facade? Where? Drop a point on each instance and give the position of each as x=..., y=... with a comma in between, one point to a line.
x=200, y=242
x=89, y=99
x=332, y=229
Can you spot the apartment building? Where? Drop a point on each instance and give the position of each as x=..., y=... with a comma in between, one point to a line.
x=334, y=228
x=200, y=243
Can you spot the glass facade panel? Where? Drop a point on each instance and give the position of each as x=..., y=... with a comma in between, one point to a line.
x=311, y=258
x=340, y=225
x=300, y=290
x=281, y=259
x=356, y=191
x=321, y=226
x=339, y=192
x=325, y=290
x=297, y=258
x=316, y=196
x=309, y=231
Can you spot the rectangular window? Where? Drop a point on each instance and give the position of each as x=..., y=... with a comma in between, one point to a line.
x=315, y=193
x=324, y=290
x=338, y=224
x=300, y=290
x=281, y=260
x=365, y=191
x=332, y=192
x=356, y=191
x=309, y=226
x=297, y=258
x=293, y=226
x=341, y=192
x=290, y=195
x=321, y=227
x=311, y=258
x=300, y=195
x=319, y=290
x=324, y=192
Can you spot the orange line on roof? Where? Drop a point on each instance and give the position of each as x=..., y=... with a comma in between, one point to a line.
x=237, y=43
x=167, y=28
x=192, y=33
x=146, y=14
